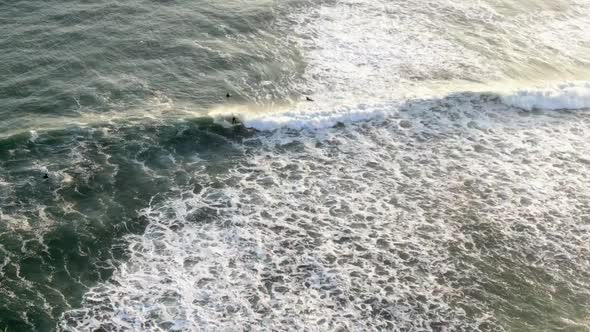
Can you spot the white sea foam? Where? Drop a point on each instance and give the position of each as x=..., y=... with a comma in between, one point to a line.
x=372, y=226
x=33, y=136
x=372, y=51
x=375, y=51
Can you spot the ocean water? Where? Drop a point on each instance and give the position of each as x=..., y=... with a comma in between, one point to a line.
x=438, y=181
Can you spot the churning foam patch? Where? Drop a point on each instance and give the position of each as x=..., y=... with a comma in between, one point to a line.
x=376, y=50
x=571, y=95
x=376, y=227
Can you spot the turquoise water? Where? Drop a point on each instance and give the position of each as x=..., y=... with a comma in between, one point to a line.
x=437, y=182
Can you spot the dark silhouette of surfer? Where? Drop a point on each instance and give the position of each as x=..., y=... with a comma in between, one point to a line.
x=308, y=99
x=228, y=95
x=234, y=120
x=46, y=176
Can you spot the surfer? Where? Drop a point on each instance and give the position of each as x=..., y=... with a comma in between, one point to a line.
x=228, y=95
x=233, y=120
x=46, y=176
x=308, y=99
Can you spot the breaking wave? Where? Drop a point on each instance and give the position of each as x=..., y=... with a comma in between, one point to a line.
x=569, y=95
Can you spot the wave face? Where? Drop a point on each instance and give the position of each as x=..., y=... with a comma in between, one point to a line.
x=436, y=180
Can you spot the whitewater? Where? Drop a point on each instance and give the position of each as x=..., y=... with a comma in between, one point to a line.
x=437, y=181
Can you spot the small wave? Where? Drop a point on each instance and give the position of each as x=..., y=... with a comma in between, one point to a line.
x=571, y=95
x=302, y=119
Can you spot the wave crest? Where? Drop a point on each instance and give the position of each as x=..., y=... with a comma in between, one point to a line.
x=571, y=95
